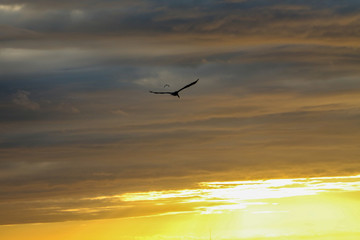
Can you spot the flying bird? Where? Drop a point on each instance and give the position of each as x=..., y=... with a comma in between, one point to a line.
x=176, y=93
x=166, y=85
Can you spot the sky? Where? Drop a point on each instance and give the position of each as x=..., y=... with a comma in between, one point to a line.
x=265, y=146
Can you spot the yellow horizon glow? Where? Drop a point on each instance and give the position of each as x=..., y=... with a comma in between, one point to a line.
x=232, y=195
x=274, y=209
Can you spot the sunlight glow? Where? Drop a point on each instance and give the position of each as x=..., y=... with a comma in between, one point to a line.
x=276, y=209
x=251, y=190
x=11, y=8
x=217, y=197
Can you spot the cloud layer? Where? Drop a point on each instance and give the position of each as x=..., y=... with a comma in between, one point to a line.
x=277, y=96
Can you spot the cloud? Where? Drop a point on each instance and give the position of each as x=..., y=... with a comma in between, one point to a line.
x=278, y=87
x=12, y=33
x=67, y=4
x=204, y=198
x=21, y=98
x=11, y=7
x=259, y=21
x=68, y=108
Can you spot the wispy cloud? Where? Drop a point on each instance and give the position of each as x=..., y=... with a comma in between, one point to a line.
x=22, y=99
x=11, y=7
x=207, y=198
x=237, y=193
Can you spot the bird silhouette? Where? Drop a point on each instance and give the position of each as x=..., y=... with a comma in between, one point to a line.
x=176, y=93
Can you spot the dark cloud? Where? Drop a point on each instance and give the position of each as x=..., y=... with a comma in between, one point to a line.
x=269, y=19
x=67, y=4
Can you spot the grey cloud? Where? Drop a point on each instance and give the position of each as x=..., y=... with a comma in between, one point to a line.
x=247, y=18
x=251, y=64
x=12, y=33
x=22, y=99
x=68, y=4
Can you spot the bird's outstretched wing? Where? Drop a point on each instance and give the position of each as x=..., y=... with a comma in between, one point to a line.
x=176, y=93
x=190, y=84
x=160, y=92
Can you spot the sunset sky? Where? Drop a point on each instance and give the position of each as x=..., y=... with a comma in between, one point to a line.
x=266, y=146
